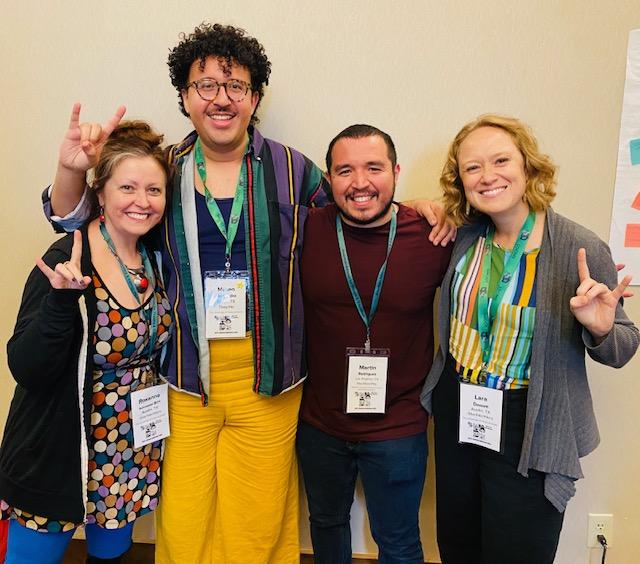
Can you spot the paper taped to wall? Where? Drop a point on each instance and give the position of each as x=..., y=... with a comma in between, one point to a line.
x=624, y=238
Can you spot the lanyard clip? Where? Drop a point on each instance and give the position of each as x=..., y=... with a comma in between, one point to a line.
x=367, y=343
x=482, y=375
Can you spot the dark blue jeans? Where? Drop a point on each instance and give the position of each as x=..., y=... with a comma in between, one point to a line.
x=392, y=474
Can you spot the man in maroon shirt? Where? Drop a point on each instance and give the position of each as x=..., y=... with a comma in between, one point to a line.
x=369, y=277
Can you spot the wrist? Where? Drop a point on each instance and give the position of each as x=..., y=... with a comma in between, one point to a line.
x=598, y=336
x=69, y=171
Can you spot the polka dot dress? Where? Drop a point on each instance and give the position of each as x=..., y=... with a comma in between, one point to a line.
x=124, y=482
x=34, y=522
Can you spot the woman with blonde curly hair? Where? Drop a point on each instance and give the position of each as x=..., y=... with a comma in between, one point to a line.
x=526, y=294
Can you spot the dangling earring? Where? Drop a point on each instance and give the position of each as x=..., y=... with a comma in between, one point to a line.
x=101, y=216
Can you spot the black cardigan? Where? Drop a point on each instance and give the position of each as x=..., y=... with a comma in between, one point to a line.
x=43, y=456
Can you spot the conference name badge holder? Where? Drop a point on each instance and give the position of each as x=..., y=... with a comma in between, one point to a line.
x=482, y=409
x=367, y=371
x=150, y=414
x=481, y=417
x=367, y=367
x=225, y=297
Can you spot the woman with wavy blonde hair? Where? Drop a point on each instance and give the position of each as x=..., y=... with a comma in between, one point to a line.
x=527, y=293
x=539, y=169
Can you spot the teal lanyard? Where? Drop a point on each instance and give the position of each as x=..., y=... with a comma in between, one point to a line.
x=486, y=312
x=229, y=233
x=153, y=322
x=366, y=319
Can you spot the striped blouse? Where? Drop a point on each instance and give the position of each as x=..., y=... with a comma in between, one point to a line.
x=511, y=332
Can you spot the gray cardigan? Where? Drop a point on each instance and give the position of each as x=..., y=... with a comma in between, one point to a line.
x=560, y=424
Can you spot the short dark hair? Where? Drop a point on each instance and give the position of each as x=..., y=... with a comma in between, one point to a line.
x=358, y=131
x=231, y=44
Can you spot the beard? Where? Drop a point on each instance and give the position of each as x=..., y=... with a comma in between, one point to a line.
x=369, y=220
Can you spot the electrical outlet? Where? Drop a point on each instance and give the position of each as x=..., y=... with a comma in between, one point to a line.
x=600, y=524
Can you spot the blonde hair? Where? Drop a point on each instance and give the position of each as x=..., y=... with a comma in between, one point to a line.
x=540, y=171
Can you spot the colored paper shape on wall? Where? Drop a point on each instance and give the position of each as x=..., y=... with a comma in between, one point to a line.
x=632, y=235
x=634, y=148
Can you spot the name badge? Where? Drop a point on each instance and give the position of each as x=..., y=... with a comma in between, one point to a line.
x=480, y=416
x=149, y=415
x=225, y=297
x=366, y=380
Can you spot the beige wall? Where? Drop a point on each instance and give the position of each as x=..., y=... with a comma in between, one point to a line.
x=418, y=69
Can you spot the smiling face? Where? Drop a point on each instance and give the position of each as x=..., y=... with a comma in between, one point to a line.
x=492, y=172
x=133, y=197
x=363, y=180
x=221, y=123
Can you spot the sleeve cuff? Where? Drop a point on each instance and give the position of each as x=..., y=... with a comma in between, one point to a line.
x=591, y=344
x=75, y=218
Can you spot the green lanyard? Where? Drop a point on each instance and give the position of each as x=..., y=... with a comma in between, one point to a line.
x=229, y=233
x=153, y=322
x=366, y=319
x=486, y=312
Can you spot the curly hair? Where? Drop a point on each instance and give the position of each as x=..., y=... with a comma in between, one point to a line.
x=225, y=42
x=540, y=171
x=132, y=138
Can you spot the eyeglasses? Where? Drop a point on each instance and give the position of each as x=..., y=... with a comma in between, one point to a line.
x=208, y=88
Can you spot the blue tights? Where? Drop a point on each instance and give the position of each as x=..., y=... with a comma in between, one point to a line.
x=28, y=546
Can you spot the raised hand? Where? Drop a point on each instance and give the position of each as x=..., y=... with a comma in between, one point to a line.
x=594, y=304
x=67, y=275
x=83, y=142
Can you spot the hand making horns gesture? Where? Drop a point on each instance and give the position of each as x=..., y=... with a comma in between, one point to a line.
x=83, y=142
x=67, y=275
x=594, y=305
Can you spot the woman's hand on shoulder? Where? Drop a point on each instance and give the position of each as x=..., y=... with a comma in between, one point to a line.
x=594, y=304
x=67, y=275
x=443, y=231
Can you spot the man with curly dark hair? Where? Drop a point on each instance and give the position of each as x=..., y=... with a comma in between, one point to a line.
x=235, y=221
x=230, y=45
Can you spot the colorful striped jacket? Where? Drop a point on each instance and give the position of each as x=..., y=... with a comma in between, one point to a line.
x=281, y=186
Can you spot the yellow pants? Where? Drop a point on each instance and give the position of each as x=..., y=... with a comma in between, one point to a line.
x=229, y=476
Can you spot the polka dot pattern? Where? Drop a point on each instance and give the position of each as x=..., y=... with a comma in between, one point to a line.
x=121, y=334
x=37, y=522
x=123, y=482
